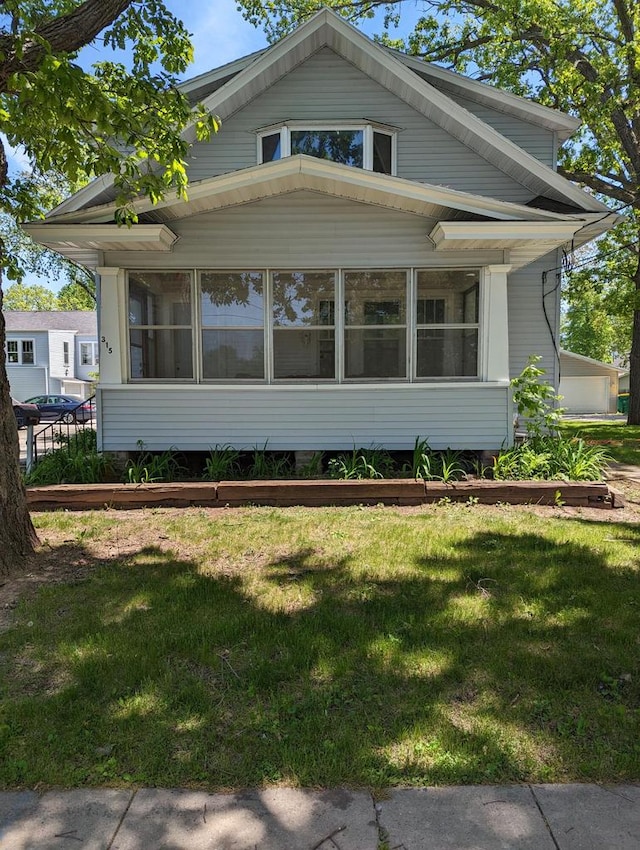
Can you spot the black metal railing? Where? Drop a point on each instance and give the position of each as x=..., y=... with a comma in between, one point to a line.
x=59, y=434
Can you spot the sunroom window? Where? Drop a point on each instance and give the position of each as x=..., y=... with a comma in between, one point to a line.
x=160, y=335
x=232, y=314
x=447, y=324
x=375, y=335
x=303, y=325
x=361, y=146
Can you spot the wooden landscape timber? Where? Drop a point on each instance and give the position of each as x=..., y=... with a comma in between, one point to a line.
x=317, y=493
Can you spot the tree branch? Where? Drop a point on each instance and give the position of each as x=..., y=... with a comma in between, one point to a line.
x=65, y=34
x=620, y=193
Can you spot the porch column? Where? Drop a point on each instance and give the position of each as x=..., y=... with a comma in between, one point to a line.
x=112, y=317
x=495, y=323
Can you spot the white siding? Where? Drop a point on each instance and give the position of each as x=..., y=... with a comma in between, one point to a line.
x=83, y=371
x=328, y=88
x=305, y=417
x=528, y=330
x=27, y=381
x=41, y=344
x=302, y=228
x=57, y=366
x=536, y=140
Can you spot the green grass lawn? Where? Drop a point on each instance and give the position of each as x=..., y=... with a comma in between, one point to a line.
x=315, y=647
x=622, y=440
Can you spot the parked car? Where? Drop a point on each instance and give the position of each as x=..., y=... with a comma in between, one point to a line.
x=66, y=408
x=26, y=414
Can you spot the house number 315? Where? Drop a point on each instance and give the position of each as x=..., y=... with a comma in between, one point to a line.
x=105, y=342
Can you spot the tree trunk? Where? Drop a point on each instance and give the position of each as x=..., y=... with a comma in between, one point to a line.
x=17, y=534
x=634, y=360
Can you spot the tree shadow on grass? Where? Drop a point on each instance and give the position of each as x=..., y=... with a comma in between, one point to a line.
x=511, y=658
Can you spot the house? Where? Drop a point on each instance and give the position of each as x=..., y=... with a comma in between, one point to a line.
x=368, y=253
x=588, y=385
x=50, y=352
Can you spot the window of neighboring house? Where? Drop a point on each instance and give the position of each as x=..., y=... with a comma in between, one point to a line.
x=89, y=353
x=360, y=145
x=375, y=335
x=447, y=323
x=160, y=325
x=20, y=352
x=65, y=353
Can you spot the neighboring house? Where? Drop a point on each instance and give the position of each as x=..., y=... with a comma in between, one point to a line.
x=50, y=352
x=368, y=253
x=588, y=385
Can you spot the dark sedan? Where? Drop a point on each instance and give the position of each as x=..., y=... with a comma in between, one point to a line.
x=26, y=414
x=65, y=408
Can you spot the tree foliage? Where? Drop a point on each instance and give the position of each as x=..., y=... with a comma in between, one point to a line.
x=600, y=295
x=34, y=296
x=76, y=124
x=579, y=56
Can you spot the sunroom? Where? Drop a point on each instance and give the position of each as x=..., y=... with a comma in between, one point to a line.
x=270, y=326
x=312, y=305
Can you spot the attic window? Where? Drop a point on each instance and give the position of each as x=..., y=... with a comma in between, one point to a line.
x=365, y=146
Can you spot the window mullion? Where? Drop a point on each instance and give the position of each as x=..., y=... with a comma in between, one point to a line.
x=285, y=141
x=339, y=325
x=268, y=326
x=367, y=148
x=196, y=326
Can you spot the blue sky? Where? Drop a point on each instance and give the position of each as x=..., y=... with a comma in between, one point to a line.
x=219, y=35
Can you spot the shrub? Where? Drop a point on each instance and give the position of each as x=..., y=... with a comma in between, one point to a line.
x=550, y=458
x=76, y=461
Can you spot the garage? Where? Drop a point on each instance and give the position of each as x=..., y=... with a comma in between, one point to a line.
x=587, y=385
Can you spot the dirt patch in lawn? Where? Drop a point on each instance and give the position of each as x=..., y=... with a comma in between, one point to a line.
x=125, y=533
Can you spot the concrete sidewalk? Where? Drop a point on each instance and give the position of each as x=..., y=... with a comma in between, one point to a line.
x=526, y=817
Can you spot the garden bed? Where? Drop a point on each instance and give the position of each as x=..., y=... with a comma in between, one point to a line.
x=316, y=493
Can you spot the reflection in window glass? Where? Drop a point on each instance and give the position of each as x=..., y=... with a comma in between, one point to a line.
x=232, y=306
x=160, y=336
x=27, y=352
x=343, y=146
x=447, y=311
x=382, y=152
x=232, y=299
x=271, y=147
x=12, y=351
x=303, y=299
x=375, y=324
x=303, y=325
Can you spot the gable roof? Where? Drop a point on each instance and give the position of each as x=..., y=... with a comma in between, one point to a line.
x=570, y=355
x=203, y=85
x=463, y=220
x=83, y=322
x=326, y=29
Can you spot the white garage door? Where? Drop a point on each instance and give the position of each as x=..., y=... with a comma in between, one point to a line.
x=585, y=395
x=27, y=381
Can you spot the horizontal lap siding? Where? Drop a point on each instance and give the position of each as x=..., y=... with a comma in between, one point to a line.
x=328, y=88
x=528, y=331
x=537, y=141
x=305, y=418
x=300, y=229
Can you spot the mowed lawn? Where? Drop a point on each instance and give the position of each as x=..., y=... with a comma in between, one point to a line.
x=318, y=647
x=622, y=441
